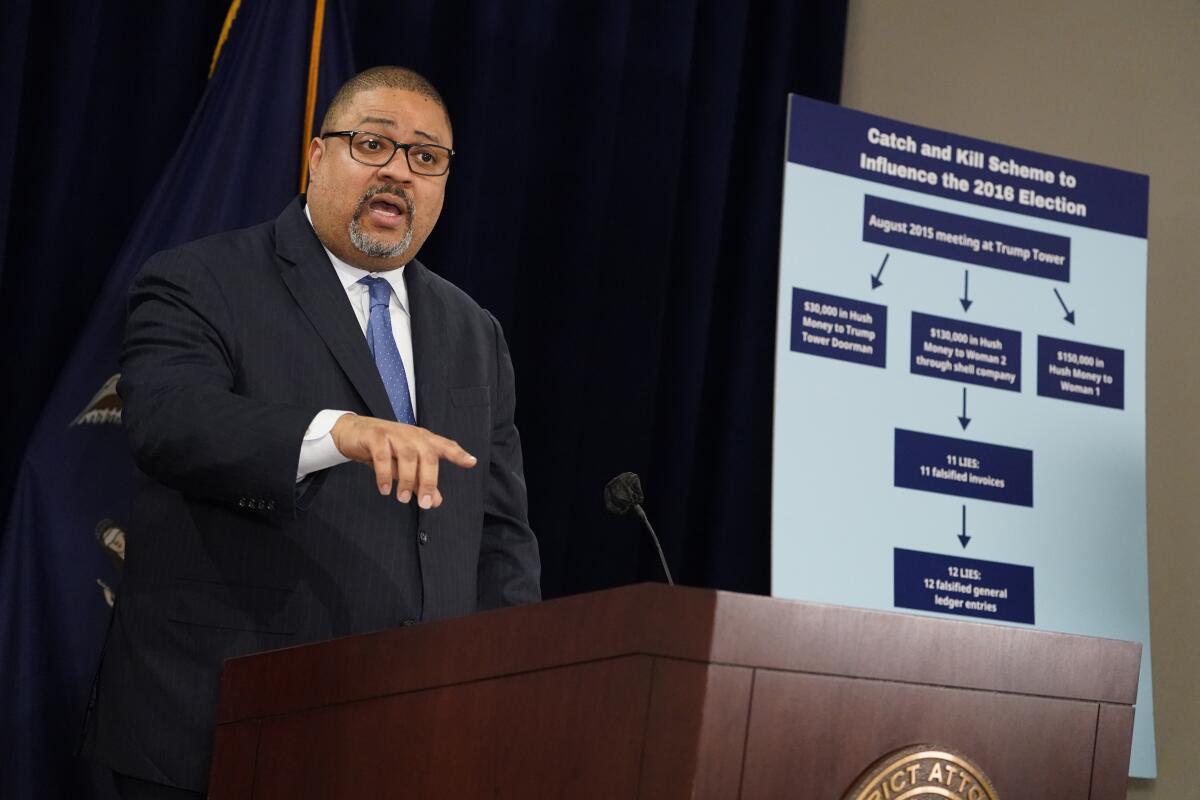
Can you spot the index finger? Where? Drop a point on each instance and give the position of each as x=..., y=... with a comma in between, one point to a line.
x=452, y=452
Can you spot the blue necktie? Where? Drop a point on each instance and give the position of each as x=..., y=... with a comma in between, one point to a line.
x=383, y=348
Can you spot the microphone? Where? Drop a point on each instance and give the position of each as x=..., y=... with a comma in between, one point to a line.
x=625, y=492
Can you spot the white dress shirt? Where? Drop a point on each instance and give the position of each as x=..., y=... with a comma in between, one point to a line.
x=317, y=450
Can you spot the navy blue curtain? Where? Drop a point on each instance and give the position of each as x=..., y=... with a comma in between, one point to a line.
x=615, y=203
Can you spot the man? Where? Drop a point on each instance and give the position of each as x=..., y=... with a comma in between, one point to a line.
x=324, y=435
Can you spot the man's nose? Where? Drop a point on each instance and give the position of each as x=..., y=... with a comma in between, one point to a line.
x=397, y=170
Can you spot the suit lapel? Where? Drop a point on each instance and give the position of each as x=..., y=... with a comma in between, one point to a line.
x=431, y=347
x=313, y=283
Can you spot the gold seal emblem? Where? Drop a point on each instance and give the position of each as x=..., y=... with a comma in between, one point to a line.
x=922, y=772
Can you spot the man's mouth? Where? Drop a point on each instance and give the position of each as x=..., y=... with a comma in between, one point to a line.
x=387, y=207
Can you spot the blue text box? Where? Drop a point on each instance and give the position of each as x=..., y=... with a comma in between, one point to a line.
x=959, y=238
x=838, y=327
x=964, y=586
x=836, y=139
x=1081, y=373
x=963, y=467
x=965, y=352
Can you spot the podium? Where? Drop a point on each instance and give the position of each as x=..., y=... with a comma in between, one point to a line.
x=652, y=691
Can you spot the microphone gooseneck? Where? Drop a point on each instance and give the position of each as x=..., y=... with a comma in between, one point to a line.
x=662, y=558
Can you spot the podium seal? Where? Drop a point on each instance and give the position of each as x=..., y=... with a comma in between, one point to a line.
x=922, y=772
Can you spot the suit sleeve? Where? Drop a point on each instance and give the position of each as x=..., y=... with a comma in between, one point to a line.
x=509, y=563
x=188, y=428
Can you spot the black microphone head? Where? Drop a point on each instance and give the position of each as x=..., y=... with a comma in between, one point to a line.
x=623, y=493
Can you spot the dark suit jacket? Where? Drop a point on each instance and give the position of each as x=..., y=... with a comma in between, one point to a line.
x=233, y=344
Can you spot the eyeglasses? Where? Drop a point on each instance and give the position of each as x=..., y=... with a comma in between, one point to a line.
x=378, y=150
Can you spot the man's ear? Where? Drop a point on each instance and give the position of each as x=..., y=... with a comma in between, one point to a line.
x=316, y=151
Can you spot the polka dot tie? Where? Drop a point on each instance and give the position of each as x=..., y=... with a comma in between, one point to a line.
x=383, y=348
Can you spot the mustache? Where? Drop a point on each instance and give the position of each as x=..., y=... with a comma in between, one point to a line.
x=386, y=188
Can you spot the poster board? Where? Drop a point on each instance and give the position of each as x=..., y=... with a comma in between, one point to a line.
x=960, y=383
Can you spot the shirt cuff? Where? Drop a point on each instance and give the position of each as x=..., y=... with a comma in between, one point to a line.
x=317, y=450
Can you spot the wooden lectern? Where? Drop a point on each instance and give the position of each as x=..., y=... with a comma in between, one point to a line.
x=650, y=691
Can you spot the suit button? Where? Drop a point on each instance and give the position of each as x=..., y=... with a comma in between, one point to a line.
x=408, y=622
x=423, y=537
x=241, y=502
x=270, y=505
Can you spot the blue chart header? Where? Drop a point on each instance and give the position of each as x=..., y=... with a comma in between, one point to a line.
x=959, y=238
x=925, y=160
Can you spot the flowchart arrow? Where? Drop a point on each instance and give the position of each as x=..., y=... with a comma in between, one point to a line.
x=1070, y=317
x=875, y=282
x=965, y=302
x=964, y=538
x=964, y=420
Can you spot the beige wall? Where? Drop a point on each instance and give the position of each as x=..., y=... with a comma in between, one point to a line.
x=1116, y=83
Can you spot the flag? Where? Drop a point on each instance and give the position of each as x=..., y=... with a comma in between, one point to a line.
x=239, y=163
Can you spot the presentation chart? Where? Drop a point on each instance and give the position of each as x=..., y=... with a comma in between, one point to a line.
x=960, y=383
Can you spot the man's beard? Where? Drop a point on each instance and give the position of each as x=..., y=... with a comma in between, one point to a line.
x=373, y=247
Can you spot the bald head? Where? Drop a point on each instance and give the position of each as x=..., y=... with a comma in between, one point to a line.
x=386, y=77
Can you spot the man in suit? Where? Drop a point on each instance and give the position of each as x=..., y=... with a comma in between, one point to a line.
x=324, y=435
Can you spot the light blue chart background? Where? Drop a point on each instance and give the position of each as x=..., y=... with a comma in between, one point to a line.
x=836, y=515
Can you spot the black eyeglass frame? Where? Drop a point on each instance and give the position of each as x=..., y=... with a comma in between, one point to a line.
x=397, y=146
